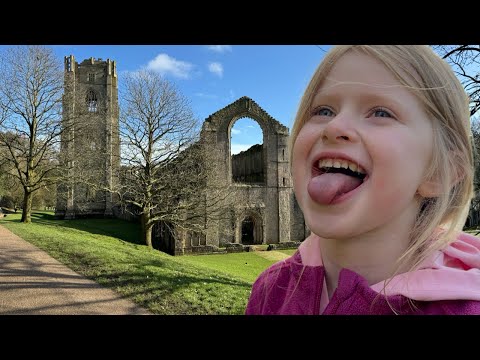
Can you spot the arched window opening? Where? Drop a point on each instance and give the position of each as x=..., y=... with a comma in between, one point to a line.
x=92, y=102
x=69, y=63
x=247, y=152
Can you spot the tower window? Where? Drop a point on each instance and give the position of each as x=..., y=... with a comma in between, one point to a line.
x=91, y=77
x=92, y=103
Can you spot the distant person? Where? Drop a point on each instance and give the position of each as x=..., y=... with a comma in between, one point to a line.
x=382, y=167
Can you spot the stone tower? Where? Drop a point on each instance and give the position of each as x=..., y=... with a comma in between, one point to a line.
x=90, y=141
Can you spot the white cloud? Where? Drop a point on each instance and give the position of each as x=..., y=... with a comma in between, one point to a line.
x=232, y=94
x=216, y=68
x=236, y=148
x=219, y=48
x=236, y=131
x=165, y=64
x=206, y=96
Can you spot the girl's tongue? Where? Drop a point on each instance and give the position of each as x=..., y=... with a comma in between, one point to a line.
x=326, y=187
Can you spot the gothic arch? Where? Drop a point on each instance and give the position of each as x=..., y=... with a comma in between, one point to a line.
x=249, y=227
x=238, y=117
x=92, y=101
x=217, y=130
x=248, y=166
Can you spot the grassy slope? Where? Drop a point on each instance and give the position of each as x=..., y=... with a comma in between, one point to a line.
x=245, y=266
x=108, y=252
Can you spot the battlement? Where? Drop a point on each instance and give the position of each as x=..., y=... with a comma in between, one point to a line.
x=72, y=66
x=93, y=61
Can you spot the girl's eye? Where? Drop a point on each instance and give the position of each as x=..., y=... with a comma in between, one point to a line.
x=381, y=113
x=323, y=111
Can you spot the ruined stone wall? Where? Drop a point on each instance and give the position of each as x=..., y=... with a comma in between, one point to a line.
x=247, y=166
x=299, y=230
x=268, y=205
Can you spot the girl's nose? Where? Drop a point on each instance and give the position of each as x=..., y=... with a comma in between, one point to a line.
x=339, y=129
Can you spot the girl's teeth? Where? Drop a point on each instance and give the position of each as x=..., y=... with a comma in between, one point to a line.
x=336, y=163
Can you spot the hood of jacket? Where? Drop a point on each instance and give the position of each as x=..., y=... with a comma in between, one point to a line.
x=449, y=274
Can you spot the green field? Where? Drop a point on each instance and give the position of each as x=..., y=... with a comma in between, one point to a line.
x=108, y=251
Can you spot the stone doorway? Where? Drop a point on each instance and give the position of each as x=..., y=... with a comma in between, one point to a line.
x=249, y=229
x=248, y=226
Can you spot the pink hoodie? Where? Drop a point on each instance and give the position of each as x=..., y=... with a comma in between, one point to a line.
x=446, y=283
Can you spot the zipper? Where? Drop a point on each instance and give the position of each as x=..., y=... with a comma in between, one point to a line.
x=318, y=294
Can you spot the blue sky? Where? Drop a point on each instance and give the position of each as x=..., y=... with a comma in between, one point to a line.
x=213, y=76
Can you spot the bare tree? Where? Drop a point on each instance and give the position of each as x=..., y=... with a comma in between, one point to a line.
x=165, y=167
x=31, y=87
x=11, y=191
x=465, y=61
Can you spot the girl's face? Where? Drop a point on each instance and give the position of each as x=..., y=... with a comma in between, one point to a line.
x=359, y=161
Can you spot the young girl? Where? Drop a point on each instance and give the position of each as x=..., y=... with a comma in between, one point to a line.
x=382, y=167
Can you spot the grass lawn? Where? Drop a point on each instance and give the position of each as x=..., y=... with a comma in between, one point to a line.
x=287, y=251
x=108, y=251
x=246, y=265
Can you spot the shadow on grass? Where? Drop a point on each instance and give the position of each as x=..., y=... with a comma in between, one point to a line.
x=169, y=292
x=121, y=229
x=162, y=285
x=165, y=286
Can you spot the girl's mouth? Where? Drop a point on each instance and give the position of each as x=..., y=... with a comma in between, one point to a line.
x=333, y=179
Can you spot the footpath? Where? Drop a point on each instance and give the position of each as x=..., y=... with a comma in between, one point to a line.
x=34, y=283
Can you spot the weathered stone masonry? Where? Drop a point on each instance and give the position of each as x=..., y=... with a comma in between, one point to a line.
x=268, y=212
x=92, y=144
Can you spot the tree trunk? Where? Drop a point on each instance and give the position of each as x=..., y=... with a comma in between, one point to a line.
x=147, y=229
x=27, y=207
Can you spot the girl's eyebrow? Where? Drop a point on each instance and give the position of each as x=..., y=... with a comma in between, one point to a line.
x=371, y=96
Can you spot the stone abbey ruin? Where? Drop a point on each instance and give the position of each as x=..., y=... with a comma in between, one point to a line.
x=91, y=98
x=260, y=176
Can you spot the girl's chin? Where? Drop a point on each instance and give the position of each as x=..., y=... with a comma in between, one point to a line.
x=328, y=232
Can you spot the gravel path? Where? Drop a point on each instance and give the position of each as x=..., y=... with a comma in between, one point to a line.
x=34, y=283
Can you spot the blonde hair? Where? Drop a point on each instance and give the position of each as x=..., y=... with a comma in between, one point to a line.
x=432, y=81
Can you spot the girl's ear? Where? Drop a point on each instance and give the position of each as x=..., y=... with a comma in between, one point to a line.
x=433, y=188
x=430, y=189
